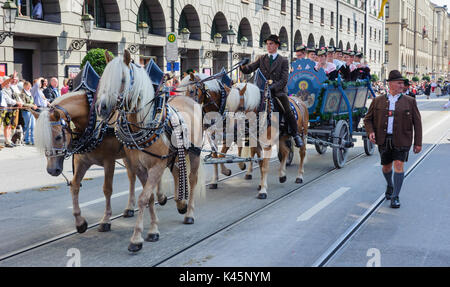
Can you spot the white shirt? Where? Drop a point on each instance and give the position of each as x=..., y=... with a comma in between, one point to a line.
x=392, y=101
x=275, y=55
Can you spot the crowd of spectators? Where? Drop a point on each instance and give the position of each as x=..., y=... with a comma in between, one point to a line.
x=18, y=98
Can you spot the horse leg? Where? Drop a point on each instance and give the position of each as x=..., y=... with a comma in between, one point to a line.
x=129, y=211
x=162, y=198
x=264, y=167
x=153, y=233
x=154, y=173
x=223, y=169
x=215, y=179
x=284, y=150
x=105, y=224
x=242, y=165
x=193, y=178
x=302, y=151
x=80, y=169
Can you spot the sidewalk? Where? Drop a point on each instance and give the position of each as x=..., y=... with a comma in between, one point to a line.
x=417, y=233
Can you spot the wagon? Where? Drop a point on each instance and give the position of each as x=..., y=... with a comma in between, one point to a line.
x=335, y=109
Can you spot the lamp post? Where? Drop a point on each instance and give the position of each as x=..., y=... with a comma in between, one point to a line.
x=231, y=37
x=185, y=35
x=9, y=20
x=143, y=32
x=88, y=24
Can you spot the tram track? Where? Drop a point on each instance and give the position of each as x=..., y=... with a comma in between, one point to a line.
x=340, y=243
x=74, y=232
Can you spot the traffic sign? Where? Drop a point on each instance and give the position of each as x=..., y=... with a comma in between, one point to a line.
x=171, y=47
x=176, y=67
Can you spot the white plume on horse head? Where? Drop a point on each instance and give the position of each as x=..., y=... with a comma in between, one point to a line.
x=136, y=87
x=43, y=132
x=212, y=85
x=252, y=97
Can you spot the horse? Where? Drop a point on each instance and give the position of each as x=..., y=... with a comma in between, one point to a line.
x=56, y=128
x=126, y=88
x=247, y=97
x=209, y=94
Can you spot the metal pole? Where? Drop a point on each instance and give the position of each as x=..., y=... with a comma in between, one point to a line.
x=337, y=23
x=415, y=37
x=365, y=27
x=292, y=30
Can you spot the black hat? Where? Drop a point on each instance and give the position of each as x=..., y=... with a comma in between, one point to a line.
x=321, y=51
x=331, y=49
x=395, y=75
x=273, y=38
x=300, y=48
x=359, y=55
x=338, y=50
x=406, y=81
x=309, y=50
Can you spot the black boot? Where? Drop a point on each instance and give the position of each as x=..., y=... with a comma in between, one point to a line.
x=292, y=122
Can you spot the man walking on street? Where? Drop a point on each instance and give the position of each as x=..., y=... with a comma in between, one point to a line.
x=389, y=123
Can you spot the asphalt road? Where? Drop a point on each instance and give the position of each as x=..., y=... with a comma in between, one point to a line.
x=293, y=227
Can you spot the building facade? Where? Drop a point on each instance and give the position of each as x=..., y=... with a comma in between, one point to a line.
x=43, y=47
x=417, y=37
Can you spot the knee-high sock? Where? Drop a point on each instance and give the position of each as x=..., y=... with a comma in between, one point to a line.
x=388, y=177
x=398, y=181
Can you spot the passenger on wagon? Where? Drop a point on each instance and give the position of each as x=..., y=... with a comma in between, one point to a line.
x=311, y=52
x=347, y=68
x=362, y=69
x=338, y=60
x=329, y=68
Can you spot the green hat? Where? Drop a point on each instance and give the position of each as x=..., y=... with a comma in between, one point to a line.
x=300, y=48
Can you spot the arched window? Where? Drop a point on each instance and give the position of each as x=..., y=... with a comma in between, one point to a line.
x=96, y=9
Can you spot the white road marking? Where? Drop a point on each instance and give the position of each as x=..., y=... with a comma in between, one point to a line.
x=324, y=203
x=103, y=199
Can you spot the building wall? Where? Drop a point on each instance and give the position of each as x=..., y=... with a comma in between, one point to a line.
x=51, y=41
x=429, y=27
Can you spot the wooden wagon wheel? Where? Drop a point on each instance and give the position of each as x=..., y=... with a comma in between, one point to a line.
x=320, y=148
x=340, y=134
x=369, y=147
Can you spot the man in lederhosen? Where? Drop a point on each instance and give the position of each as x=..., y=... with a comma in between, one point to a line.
x=389, y=123
x=276, y=69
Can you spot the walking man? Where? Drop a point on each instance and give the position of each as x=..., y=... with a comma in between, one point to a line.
x=389, y=123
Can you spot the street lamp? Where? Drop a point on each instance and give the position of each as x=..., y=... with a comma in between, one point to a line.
x=185, y=35
x=231, y=37
x=9, y=20
x=284, y=47
x=88, y=24
x=217, y=40
x=143, y=32
x=244, y=43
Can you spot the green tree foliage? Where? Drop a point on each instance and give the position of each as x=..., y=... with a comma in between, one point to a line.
x=374, y=78
x=415, y=79
x=96, y=58
x=426, y=78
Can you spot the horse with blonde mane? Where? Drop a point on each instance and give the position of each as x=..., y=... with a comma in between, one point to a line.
x=126, y=88
x=212, y=95
x=246, y=97
x=56, y=130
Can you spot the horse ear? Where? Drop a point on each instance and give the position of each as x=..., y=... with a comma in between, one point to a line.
x=227, y=89
x=244, y=89
x=35, y=113
x=108, y=56
x=127, y=57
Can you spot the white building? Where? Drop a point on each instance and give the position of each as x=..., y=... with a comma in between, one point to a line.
x=43, y=47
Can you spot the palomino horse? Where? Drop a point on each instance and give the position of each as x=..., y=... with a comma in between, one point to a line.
x=247, y=97
x=56, y=128
x=213, y=99
x=126, y=88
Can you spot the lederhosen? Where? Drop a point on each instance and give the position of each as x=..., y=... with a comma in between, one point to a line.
x=388, y=151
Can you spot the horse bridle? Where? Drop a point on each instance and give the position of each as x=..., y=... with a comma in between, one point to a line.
x=65, y=127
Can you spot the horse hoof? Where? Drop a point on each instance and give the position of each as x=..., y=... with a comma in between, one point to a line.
x=188, y=220
x=299, y=180
x=243, y=167
x=213, y=186
x=163, y=202
x=104, y=227
x=227, y=173
x=128, y=213
x=183, y=210
x=262, y=195
x=152, y=237
x=82, y=228
x=248, y=176
x=283, y=179
x=134, y=247
x=259, y=187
